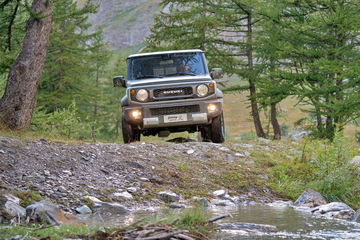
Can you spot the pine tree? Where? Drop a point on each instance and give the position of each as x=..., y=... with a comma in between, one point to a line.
x=318, y=58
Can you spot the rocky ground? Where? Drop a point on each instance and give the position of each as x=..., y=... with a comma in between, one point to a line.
x=66, y=173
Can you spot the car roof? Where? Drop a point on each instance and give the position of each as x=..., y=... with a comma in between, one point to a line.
x=164, y=52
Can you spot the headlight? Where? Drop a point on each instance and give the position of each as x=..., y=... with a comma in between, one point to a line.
x=202, y=90
x=142, y=95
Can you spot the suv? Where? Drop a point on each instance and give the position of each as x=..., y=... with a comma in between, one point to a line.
x=171, y=91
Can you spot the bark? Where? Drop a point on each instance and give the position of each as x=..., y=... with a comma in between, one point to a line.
x=275, y=123
x=18, y=102
x=252, y=87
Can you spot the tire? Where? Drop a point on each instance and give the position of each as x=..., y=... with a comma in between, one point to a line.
x=205, y=134
x=218, y=129
x=129, y=133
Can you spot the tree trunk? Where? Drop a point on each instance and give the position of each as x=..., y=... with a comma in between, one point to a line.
x=252, y=87
x=275, y=123
x=18, y=102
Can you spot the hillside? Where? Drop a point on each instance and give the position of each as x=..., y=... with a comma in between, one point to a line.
x=125, y=22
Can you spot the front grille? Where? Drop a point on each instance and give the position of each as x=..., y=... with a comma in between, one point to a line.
x=174, y=110
x=171, y=92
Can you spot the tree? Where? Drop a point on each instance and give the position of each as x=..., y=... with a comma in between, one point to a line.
x=18, y=102
x=319, y=59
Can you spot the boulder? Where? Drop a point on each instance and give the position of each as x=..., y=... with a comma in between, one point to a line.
x=203, y=202
x=10, y=209
x=44, y=212
x=177, y=205
x=310, y=198
x=122, y=196
x=168, y=196
x=335, y=210
x=109, y=209
x=219, y=193
x=83, y=210
x=356, y=217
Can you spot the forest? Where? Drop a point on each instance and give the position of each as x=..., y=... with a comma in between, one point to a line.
x=308, y=50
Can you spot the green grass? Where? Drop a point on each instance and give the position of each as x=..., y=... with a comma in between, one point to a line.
x=54, y=233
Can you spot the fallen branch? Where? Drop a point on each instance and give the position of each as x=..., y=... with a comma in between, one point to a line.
x=214, y=219
x=163, y=235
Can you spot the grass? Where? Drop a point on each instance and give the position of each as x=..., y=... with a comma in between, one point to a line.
x=38, y=231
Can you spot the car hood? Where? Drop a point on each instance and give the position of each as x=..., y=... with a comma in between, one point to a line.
x=167, y=81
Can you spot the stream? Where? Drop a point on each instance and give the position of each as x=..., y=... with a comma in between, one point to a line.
x=291, y=223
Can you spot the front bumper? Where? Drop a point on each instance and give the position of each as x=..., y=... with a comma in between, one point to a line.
x=150, y=120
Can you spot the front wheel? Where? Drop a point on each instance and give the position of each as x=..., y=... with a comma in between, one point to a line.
x=129, y=133
x=218, y=129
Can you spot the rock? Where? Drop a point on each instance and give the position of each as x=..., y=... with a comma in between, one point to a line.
x=168, y=196
x=242, y=154
x=132, y=189
x=83, y=210
x=10, y=209
x=109, y=209
x=62, y=189
x=310, y=198
x=201, y=201
x=224, y=149
x=356, y=160
x=335, y=210
x=93, y=199
x=222, y=203
x=219, y=193
x=44, y=212
x=356, y=217
x=144, y=179
x=190, y=151
x=280, y=204
x=177, y=205
x=122, y=196
x=247, y=227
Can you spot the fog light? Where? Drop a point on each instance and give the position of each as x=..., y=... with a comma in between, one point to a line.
x=136, y=114
x=212, y=107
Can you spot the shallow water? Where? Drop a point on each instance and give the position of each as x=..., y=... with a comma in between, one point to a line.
x=291, y=223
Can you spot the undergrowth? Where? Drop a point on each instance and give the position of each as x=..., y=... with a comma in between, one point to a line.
x=323, y=166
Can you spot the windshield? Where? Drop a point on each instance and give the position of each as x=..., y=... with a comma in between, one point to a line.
x=166, y=65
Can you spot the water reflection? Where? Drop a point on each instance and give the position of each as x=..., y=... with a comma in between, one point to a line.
x=292, y=224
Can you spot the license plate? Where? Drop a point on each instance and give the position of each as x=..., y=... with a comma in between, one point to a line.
x=175, y=118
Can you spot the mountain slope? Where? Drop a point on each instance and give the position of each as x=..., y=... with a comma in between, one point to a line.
x=125, y=22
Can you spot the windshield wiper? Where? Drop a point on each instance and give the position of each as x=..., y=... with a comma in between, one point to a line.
x=181, y=74
x=149, y=76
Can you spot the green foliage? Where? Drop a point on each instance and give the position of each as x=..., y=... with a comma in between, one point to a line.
x=325, y=167
x=357, y=137
x=284, y=128
x=62, y=122
x=27, y=198
x=248, y=136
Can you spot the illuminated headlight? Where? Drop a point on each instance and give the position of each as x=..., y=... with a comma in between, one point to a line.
x=212, y=108
x=142, y=95
x=135, y=114
x=202, y=90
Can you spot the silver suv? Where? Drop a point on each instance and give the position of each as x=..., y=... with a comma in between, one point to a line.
x=169, y=92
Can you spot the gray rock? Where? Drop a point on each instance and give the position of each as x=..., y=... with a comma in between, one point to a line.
x=280, y=204
x=83, y=210
x=356, y=160
x=131, y=189
x=144, y=179
x=203, y=202
x=44, y=212
x=335, y=210
x=224, y=149
x=10, y=208
x=219, y=193
x=62, y=189
x=356, y=217
x=109, y=209
x=93, y=199
x=122, y=196
x=168, y=196
x=247, y=227
x=242, y=154
x=310, y=198
x=177, y=205
x=222, y=203
x=190, y=151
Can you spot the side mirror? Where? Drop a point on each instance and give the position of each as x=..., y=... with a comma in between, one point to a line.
x=216, y=73
x=119, y=81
